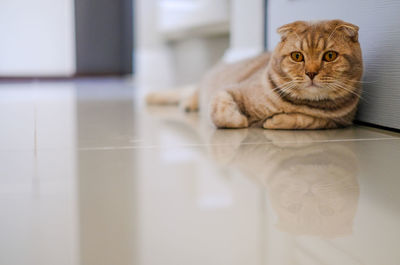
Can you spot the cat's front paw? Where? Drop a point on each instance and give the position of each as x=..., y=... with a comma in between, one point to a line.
x=225, y=112
x=280, y=121
x=288, y=121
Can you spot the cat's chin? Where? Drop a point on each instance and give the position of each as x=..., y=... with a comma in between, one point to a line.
x=312, y=93
x=314, y=88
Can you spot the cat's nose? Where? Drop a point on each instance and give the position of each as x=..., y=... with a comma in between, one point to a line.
x=311, y=74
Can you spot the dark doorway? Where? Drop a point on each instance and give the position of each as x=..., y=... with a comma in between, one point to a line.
x=104, y=37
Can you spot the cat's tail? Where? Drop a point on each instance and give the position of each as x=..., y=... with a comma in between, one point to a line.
x=186, y=98
x=170, y=97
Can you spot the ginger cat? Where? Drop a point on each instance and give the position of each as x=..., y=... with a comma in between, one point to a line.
x=310, y=81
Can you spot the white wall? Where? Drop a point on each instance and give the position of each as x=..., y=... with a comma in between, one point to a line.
x=246, y=28
x=37, y=38
x=152, y=65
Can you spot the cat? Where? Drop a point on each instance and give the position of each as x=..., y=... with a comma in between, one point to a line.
x=310, y=81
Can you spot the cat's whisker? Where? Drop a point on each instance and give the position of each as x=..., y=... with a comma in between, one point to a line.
x=282, y=92
x=363, y=82
x=328, y=78
x=283, y=85
x=344, y=84
x=284, y=88
x=333, y=87
x=288, y=89
x=337, y=85
x=332, y=81
x=350, y=86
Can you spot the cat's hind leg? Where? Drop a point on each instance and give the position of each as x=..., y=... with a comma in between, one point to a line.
x=190, y=101
x=225, y=112
x=186, y=98
x=170, y=97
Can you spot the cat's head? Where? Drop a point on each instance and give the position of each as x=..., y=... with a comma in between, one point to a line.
x=317, y=61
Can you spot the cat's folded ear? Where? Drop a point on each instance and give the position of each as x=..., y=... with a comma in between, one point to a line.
x=348, y=29
x=334, y=26
x=286, y=30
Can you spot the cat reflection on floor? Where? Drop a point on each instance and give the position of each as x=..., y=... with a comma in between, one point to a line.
x=311, y=183
x=310, y=179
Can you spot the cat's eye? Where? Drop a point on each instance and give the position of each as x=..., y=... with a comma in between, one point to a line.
x=330, y=56
x=297, y=56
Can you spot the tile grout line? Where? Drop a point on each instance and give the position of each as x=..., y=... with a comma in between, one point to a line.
x=128, y=147
x=106, y=148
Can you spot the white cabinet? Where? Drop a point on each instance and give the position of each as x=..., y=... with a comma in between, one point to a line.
x=64, y=38
x=37, y=38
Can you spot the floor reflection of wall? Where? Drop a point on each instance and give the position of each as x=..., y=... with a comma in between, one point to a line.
x=106, y=177
x=38, y=216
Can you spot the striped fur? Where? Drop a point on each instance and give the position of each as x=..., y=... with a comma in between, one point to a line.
x=273, y=91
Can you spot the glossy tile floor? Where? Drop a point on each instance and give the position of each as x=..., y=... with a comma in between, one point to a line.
x=90, y=176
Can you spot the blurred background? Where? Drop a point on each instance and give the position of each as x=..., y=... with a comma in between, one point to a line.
x=167, y=43
x=89, y=175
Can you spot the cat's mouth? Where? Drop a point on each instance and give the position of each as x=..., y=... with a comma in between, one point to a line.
x=313, y=84
x=313, y=91
x=313, y=87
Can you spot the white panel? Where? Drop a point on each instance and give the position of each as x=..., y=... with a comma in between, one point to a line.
x=379, y=37
x=184, y=15
x=246, y=28
x=37, y=37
